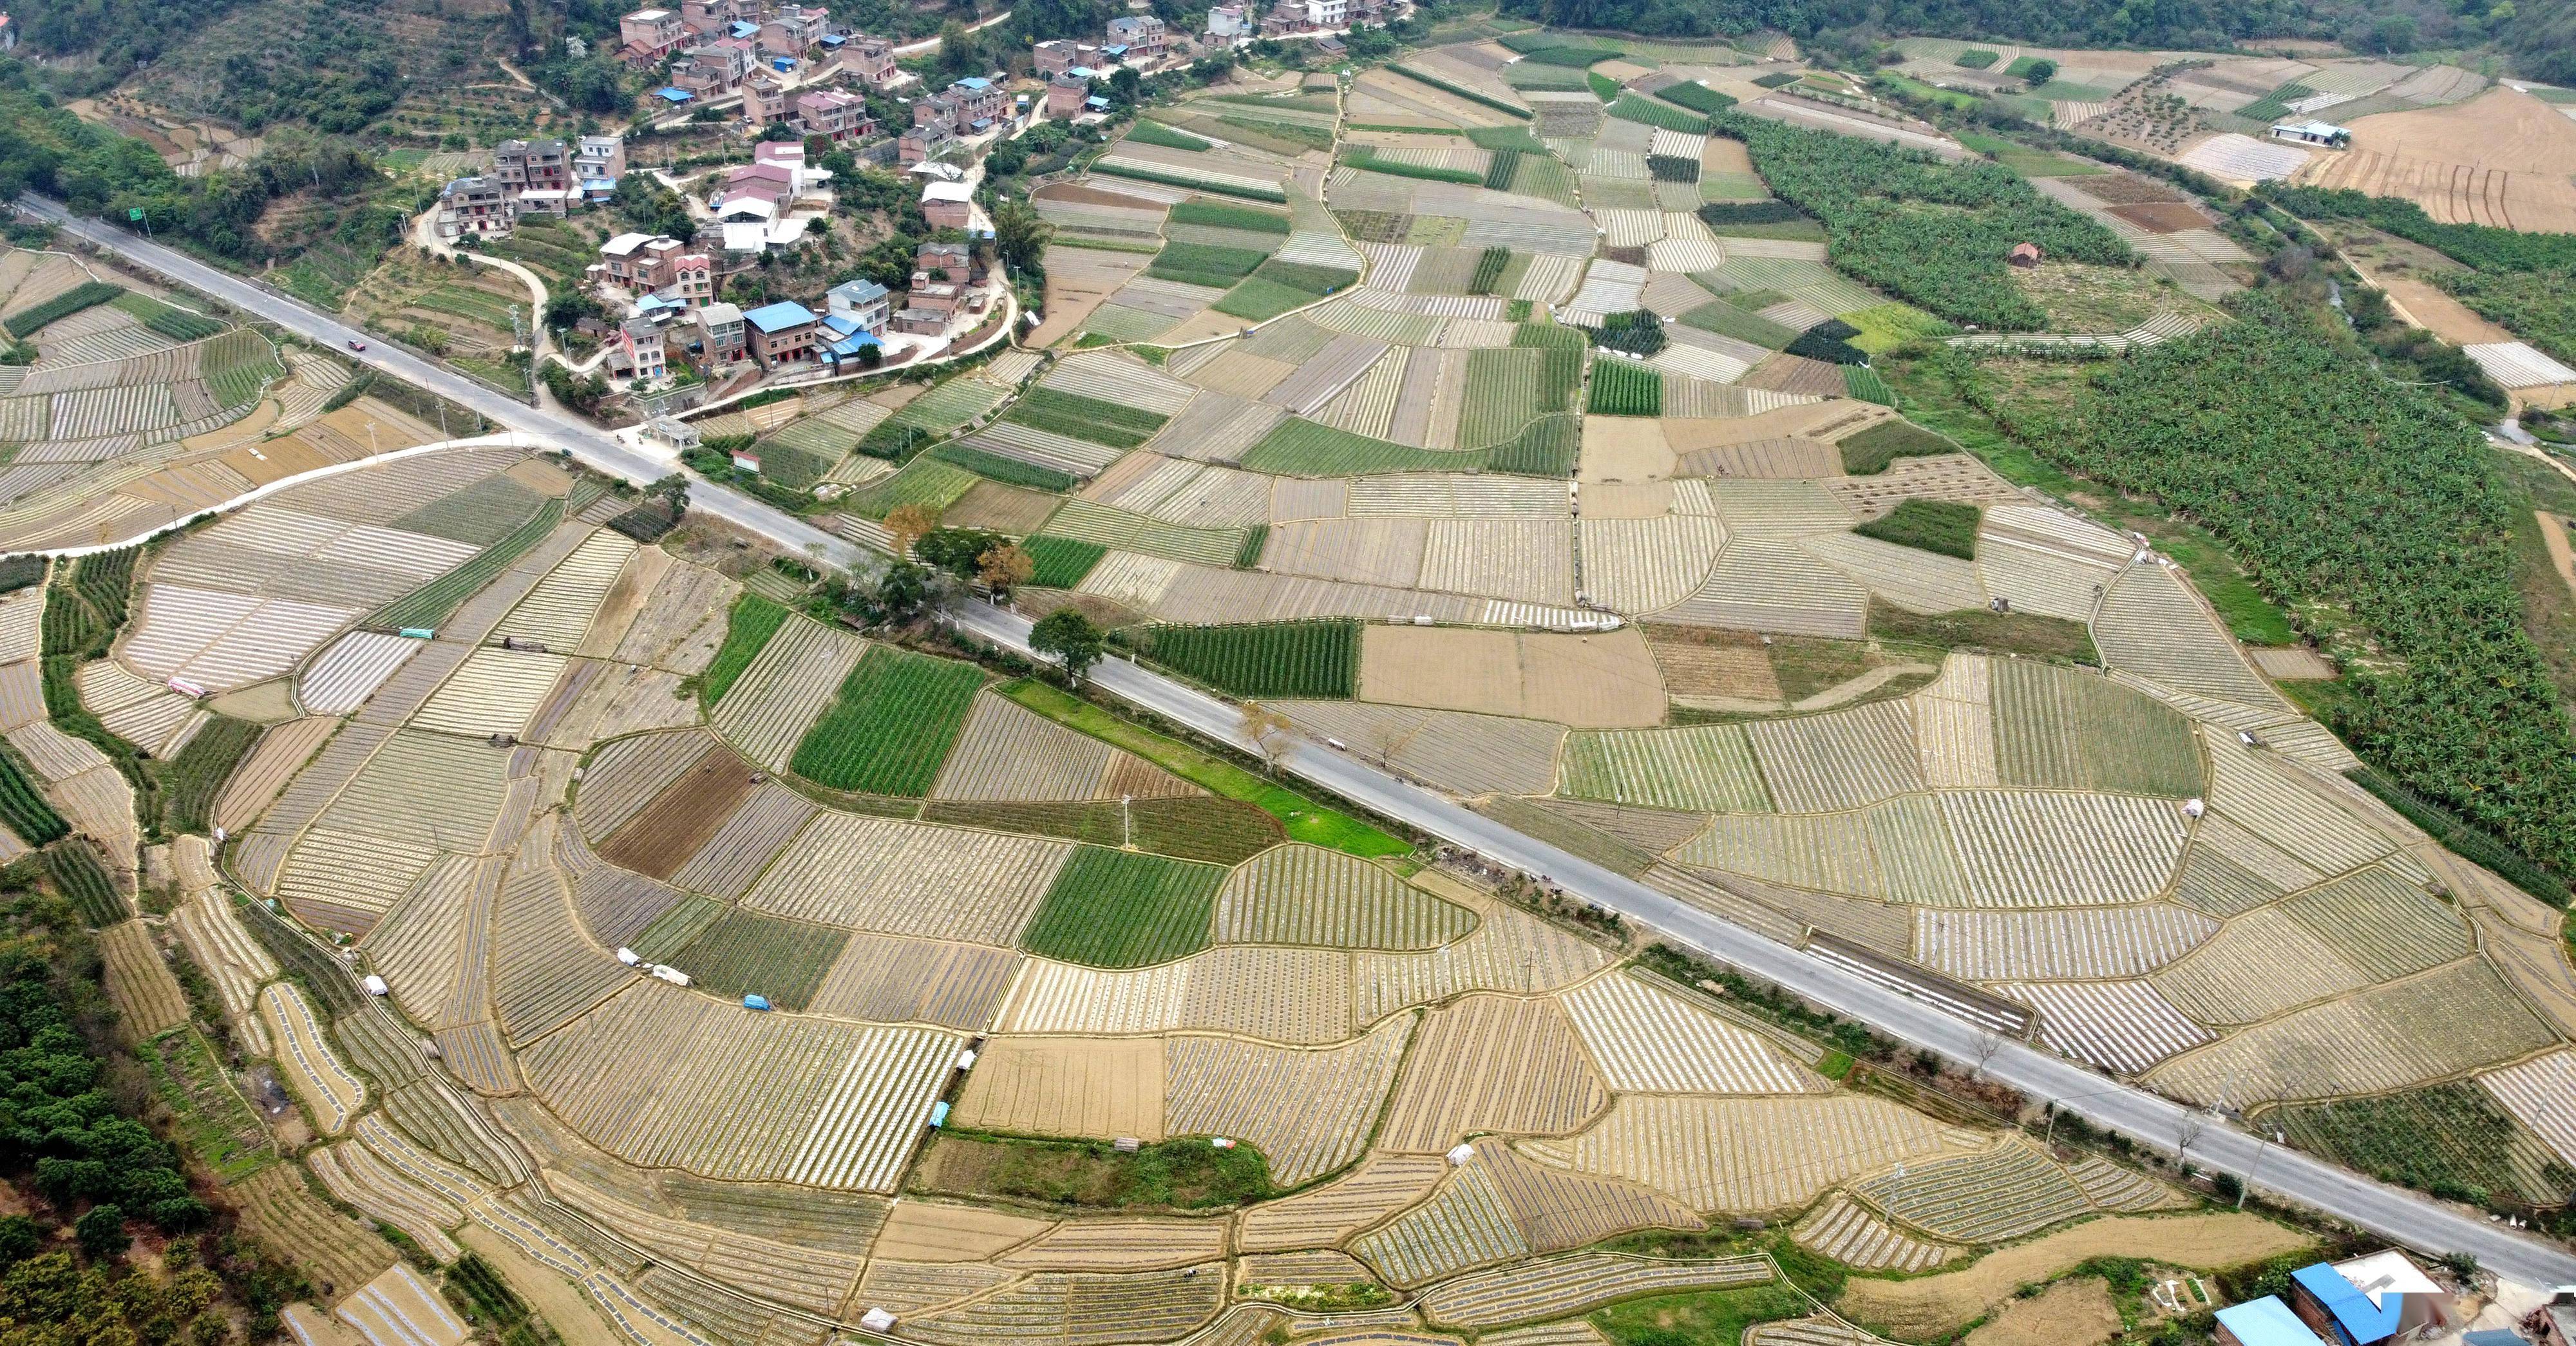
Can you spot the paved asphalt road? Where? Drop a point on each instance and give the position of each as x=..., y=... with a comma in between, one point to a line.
x=2155, y=1122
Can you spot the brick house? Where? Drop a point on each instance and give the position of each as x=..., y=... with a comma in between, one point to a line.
x=1056, y=57
x=1065, y=93
x=709, y=17
x=947, y=205
x=923, y=140
x=792, y=31
x=537, y=175
x=648, y=35
x=781, y=334
x=832, y=114
x=870, y=59
x=477, y=206
x=919, y=322
x=713, y=68
x=764, y=100
x=597, y=163
x=1145, y=36
x=978, y=99
x=947, y=261
x=639, y=351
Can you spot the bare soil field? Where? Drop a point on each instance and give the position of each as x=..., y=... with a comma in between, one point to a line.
x=2070, y=1313
x=1605, y=681
x=2503, y=158
x=2162, y=217
x=1932, y=1306
x=669, y=830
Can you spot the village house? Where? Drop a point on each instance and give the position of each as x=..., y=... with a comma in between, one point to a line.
x=1228, y=23
x=921, y=141
x=844, y=344
x=781, y=334
x=720, y=334
x=832, y=114
x=949, y=262
x=764, y=100
x=537, y=175
x=476, y=206
x=870, y=60
x=792, y=31
x=597, y=163
x=947, y=205
x=919, y=322
x=648, y=35
x=1144, y=36
x=712, y=69
x=638, y=351
x=713, y=17
x=1056, y=57
x=1066, y=92
x=978, y=101
x=864, y=302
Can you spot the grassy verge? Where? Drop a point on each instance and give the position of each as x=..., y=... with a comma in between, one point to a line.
x=1302, y=818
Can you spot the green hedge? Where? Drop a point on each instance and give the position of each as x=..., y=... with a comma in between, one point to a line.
x=1461, y=90
x=86, y=295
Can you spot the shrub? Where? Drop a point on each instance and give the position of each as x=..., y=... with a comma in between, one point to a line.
x=1829, y=340
x=1638, y=332
x=1620, y=388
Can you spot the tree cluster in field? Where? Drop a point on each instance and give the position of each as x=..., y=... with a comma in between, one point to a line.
x=1638, y=332
x=2334, y=483
x=2526, y=281
x=1933, y=233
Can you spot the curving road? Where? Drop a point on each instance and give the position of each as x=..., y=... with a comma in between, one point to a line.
x=2160, y=1124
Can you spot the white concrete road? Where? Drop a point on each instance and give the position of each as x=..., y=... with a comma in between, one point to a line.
x=2400, y=1216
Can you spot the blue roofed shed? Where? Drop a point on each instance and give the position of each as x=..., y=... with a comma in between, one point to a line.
x=674, y=95
x=2339, y=1310
x=2263, y=1322
x=780, y=316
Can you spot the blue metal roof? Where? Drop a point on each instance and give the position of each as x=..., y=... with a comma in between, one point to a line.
x=2266, y=1322
x=974, y=82
x=776, y=317
x=2353, y=1312
x=675, y=95
x=832, y=39
x=850, y=346
x=858, y=291
x=741, y=29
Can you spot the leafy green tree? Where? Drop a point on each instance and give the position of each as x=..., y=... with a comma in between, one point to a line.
x=1070, y=639
x=2040, y=72
x=899, y=593
x=102, y=1231
x=959, y=551
x=1020, y=236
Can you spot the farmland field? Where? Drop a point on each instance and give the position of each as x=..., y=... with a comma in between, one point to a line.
x=1315, y=659
x=890, y=725
x=753, y=621
x=1121, y=909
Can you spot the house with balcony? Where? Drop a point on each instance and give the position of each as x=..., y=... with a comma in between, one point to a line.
x=792, y=31
x=864, y=302
x=1144, y=36
x=830, y=113
x=713, y=68
x=597, y=163
x=923, y=140
x=1066, y=91
x=781, y=334
x=870, y=60
x=476, y=206
x=720, y=335
x=646, y=36
x=1063, y=54
x=537, y=175
x=639, y=351
x=978, y=100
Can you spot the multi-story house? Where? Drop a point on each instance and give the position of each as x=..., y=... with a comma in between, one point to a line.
x=764, y=100
x=478, y=206
x=1063, y=54
x=793, y=30
x=600, y=159
x=977, y=100
x=781, y=334
x=952, y=262
x=720, y=333
x=1229, y=22
x=537, y=174
x=626, y=261
x=863, y=302
x=648, y=35
x=693, y=279
x=713, y=68
x=870, y=59
x=714, y=17
x=923, y=141
x=1065, y=93
x=638, y=351
x=1144, y=36
x=832, y=114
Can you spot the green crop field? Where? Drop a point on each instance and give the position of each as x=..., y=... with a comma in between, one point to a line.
x=220, y=1129
x=1546, y=447
x=1121, y=909
x=748, y=627
x=178, y=324
x=237, y=365
x=190, y=781
x=23, y=807
x=744, y=952
x=1621, y=388
x=1273, y=659
x=1507, y=388
x=1637, y=108
x=1698, y=98
x=1062, y=561
x=1219, y=831
x=87, y=295
x=890, y=725
x=926, y=482
x=1147, y=132
x=73, y=868
x=2451, y=1140
x=1204, y=264
x=1260, y=299
x=1227, y=215
x=1743, y=324
x=2056, y=728
x=1944, y=526
x=437, y=600
x=1102, y=822
x=1303, y=448
x=1088, y=418
x=1003, y=468
x=1868, y=453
